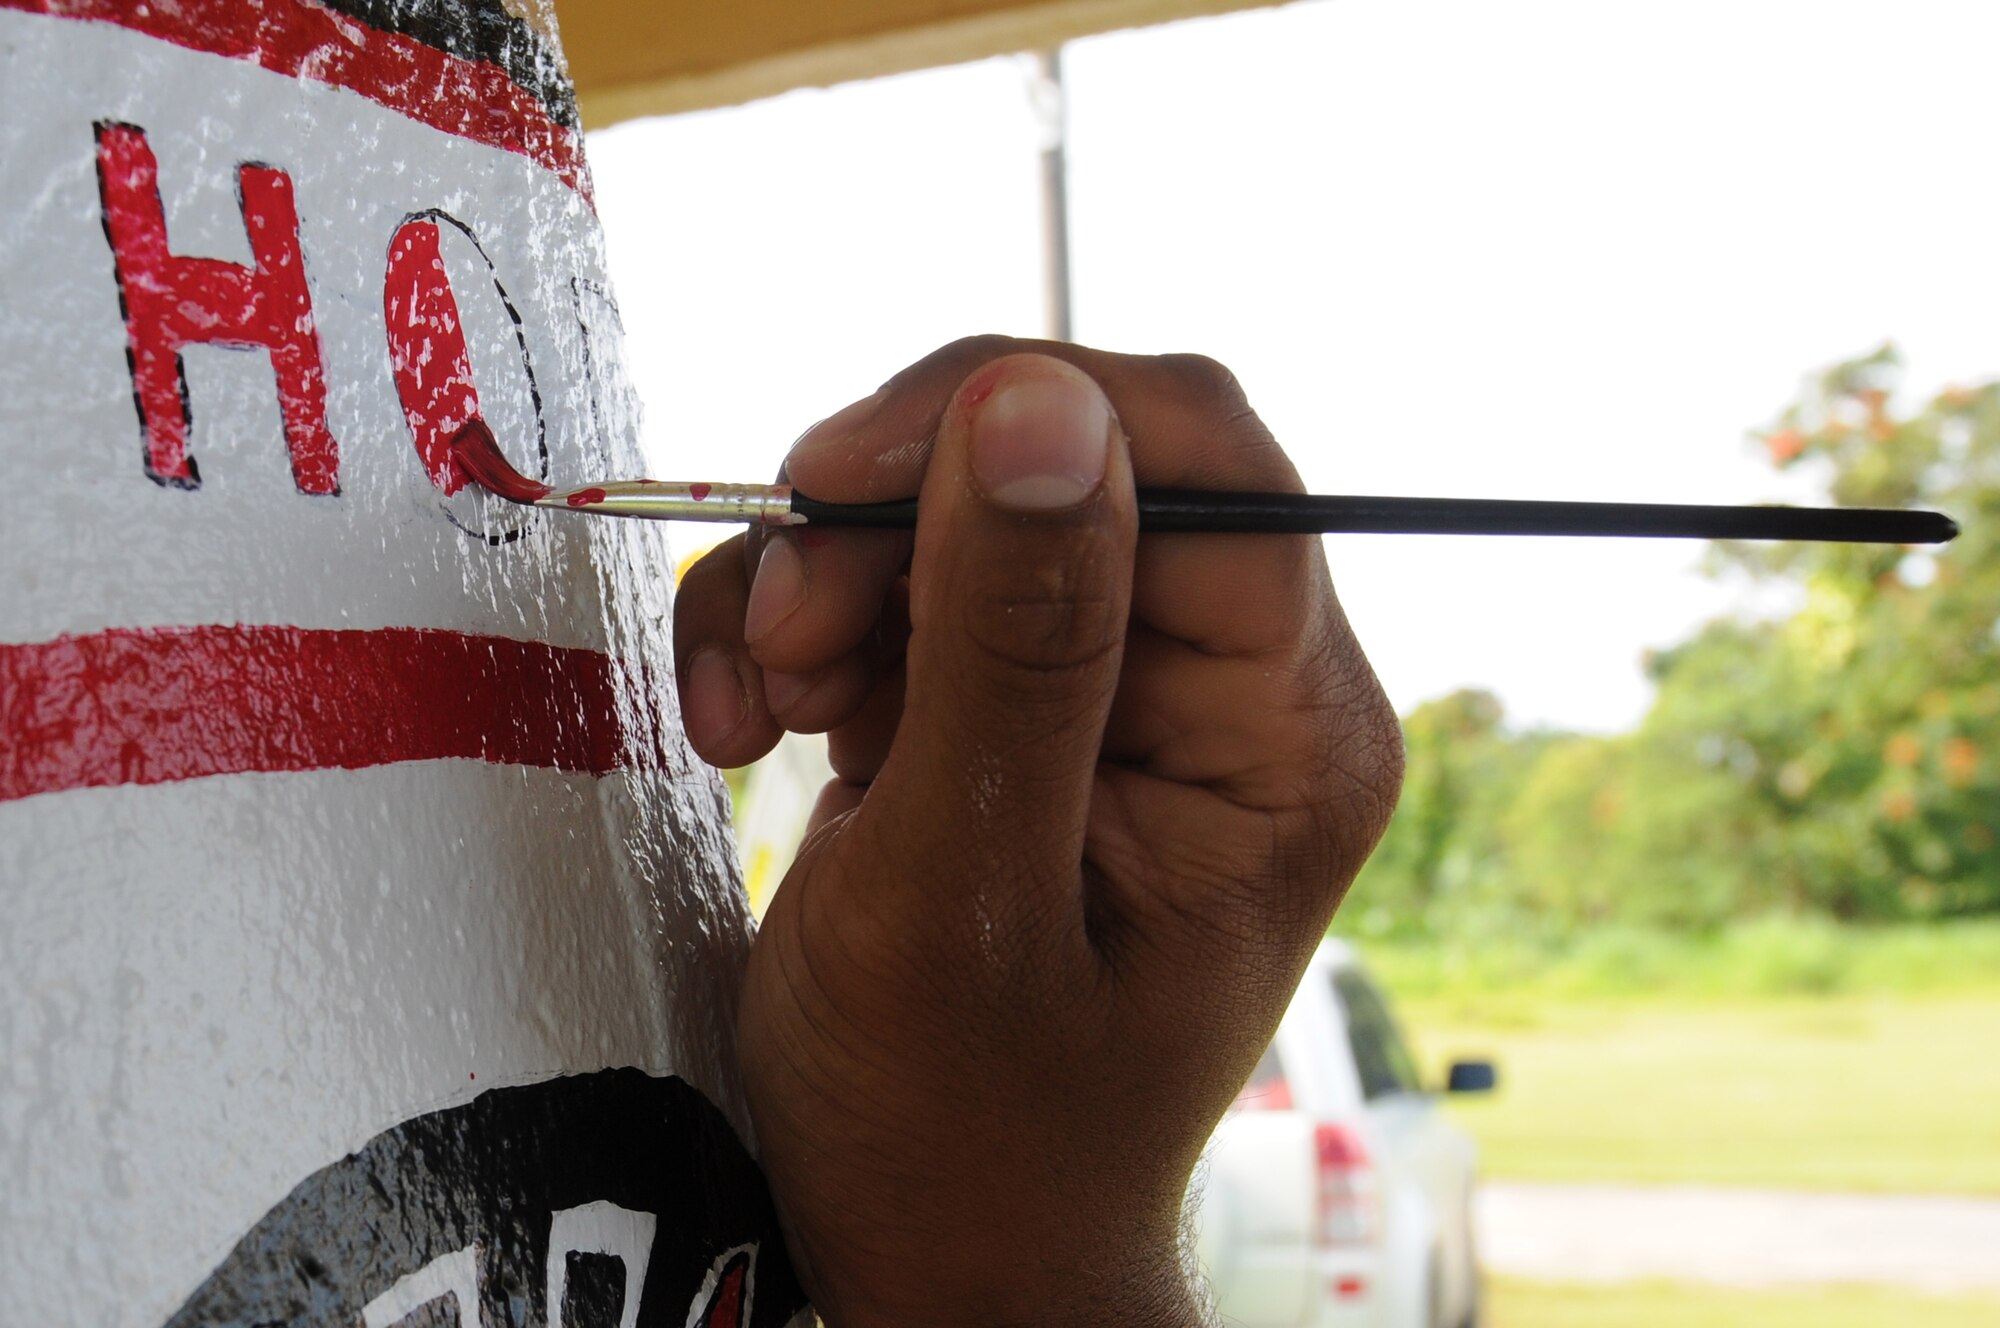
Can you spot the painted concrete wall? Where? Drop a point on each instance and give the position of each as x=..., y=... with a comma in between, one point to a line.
x=368, y=934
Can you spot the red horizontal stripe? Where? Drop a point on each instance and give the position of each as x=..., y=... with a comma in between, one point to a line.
x=468, y=98
x=131, y=706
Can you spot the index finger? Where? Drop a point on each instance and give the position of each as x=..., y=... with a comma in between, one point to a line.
x=1190, y=426
x=1198, y=426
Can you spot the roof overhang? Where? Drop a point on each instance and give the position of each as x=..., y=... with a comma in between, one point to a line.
x=632, y=59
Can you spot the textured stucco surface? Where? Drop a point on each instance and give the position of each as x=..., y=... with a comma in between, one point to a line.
x=213, y=987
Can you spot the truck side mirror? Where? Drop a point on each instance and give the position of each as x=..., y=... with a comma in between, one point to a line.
x=1472, y=1077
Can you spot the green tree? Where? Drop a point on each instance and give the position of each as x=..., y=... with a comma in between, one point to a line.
x=1842, y=760
x=1877, y=711
x=1442, y=854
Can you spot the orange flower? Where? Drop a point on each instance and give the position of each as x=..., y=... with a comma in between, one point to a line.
x=1903, y=750
x=1899, y=805
x=1960, y=758
x=1784, y=445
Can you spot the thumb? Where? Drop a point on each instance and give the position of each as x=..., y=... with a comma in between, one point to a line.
x=1020, y=590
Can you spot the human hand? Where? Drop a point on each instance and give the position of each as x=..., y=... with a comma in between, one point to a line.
x=1096, y=801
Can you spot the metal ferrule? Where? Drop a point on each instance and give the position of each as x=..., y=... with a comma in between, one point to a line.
x=660, y=500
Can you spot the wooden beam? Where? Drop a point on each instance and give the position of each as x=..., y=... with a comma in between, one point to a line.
x=632, y=59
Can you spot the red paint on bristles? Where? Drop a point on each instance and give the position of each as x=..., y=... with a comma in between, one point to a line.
x=474, y=449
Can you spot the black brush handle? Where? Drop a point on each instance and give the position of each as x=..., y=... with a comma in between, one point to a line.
x=1327, y=514
x=898, y=515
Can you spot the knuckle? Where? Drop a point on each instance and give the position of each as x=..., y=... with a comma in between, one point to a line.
x=1360, y=773
x=1244, y=449
x=1339, y=771
x=1050, y=618
x=1316, y=847
x=968, y=351
x=1208, y=379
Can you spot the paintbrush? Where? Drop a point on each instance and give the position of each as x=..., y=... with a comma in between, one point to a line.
x=474, y=449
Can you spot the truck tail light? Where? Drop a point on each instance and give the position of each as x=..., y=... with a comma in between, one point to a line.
x=1347, y=1191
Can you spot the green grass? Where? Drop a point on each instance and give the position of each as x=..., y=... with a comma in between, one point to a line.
x=1513, y=1304
x=1782, y=1052
x=1830, y=1094
x=1771, y=956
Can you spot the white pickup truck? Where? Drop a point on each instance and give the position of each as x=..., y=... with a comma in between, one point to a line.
x=1336, y=1193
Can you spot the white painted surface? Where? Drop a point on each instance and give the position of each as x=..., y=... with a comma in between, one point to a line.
x=113, y=549
x=210, y=989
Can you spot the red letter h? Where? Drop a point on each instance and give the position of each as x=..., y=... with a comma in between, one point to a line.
x=170, y=302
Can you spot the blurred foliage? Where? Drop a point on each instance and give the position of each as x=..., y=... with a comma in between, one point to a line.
x=1498, y=974
x=1838, y=762
x=737, y=781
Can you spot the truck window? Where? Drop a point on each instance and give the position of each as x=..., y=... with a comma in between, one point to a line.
x=1379, y=1054
x=1267, y=1089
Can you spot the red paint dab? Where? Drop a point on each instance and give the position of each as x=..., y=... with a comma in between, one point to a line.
x=725, y=1307
x=698, y=491
x=153, y=706
x=585, y=497
x=980, y=386
x=478, y=455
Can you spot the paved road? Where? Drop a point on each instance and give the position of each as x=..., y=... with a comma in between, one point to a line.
x=1612, y=1233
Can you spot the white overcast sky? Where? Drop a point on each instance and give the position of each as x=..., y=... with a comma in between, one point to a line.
x=1550, y=248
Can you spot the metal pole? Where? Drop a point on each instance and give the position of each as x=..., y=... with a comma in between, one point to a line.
x=1048, y=96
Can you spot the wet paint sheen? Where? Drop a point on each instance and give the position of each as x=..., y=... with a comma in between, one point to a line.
x=371, y=936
